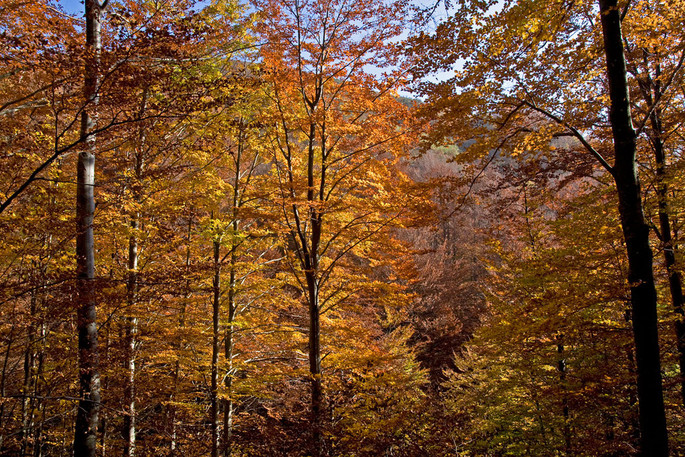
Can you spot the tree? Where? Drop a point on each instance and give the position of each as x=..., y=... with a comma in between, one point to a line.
x=89, y=372
x=523, y=83
x=653, y=434
x=334, y=130
x=654, y=63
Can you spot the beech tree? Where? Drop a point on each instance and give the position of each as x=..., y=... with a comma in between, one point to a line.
x=89, y=372
x=526, y=74
x=334, y=128
x=654, y=60
x=280, y=267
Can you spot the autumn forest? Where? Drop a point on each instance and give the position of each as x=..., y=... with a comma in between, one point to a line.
x=342, y=228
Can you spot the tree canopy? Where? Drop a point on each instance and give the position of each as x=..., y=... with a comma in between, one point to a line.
x=334, y=228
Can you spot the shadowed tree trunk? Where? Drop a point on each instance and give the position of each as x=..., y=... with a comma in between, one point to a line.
x=653, y=435
x=216, y=307
x=173, y=445
x=563, y=369
x=669, y=247
x=652, y=93
x=228, y=348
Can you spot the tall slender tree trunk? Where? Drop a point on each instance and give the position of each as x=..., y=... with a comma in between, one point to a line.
x=312, y=279
x=315, y=364
x=173, y=445
x=131, y=332
x=563, y=369
x=229, y=342
x=29, y=372
x=230, y=326
x=85, y=436
x=130, y=417
x=216, y=308
x=653, y=434
x=228, y=354
x=3, y=385
x=105, y=384
x=132, y=292
x=669, y=244
x=35, y=402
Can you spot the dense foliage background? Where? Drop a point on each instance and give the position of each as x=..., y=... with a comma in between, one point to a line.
x=294, y=258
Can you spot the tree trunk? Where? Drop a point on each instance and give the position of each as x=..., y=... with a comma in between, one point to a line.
x=29, y=371
x=315, y=364
x=131, y=332
x=232, y=306
x=36, y=403
x=3, y=385
x=561, y=366
x=132, y=293
x=228, y=344
x=85, y=436
x=669, y=246
x=173, y=445
x=312, y=277
x=214, y=393
x=228, y=354
x=103, y=430
x=130, y=390
x=653, y=434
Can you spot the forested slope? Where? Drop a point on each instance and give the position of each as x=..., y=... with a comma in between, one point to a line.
x=227, y=231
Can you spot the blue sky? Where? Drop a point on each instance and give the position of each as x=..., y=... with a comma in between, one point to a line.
x=74, y=7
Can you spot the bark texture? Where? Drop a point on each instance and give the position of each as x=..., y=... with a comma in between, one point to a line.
x=85, y=437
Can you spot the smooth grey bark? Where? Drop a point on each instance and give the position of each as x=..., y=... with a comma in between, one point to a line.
x=132, y=293
x=230, y=324
x=643, y=299
x=85, y=436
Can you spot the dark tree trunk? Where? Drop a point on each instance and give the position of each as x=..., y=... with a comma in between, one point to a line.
x=85, y=437
x=653, y=435
x=173, y=444
x=214, y=392
x=228, y=353
x=650, y=87
x=3, y=385
x=315, y=364
x=669, y=245
x=561, y=366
